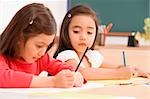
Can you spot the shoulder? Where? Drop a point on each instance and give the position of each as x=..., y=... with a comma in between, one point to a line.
x=94, y=53
x=67, y=54
x=4, y=61
x=44, y=59
x=3, y=58
x=95, y=58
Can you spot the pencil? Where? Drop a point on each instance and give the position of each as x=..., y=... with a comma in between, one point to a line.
x=81, y=59
x=124, y=58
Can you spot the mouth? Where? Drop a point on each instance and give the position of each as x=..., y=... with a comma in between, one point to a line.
x=35, y=59
x=82, y=44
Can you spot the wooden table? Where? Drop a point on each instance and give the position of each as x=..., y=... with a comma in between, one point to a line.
x=135, y=56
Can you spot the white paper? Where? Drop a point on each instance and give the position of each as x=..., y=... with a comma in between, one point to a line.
x=88, y=85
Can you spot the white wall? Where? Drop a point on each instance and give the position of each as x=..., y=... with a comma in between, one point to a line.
x=112, y=40
x=9, y=7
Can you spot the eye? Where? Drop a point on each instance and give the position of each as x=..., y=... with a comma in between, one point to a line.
x=90, y=32
x=76, y=31
x=39, y=46
x=49, y=46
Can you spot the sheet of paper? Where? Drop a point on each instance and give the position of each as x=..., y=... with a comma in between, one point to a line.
x=50, y=90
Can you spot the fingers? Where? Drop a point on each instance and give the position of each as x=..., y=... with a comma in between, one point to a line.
x=139, y=73
x=148, y=75
x=78, y=79
x=64, y=78
x=66, y=73
x=67, y=79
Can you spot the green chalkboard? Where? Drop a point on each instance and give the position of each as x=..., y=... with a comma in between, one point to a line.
x=126, y=15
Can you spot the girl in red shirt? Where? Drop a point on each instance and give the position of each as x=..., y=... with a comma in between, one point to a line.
x=23, y=47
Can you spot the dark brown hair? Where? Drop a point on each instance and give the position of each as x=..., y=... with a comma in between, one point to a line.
x=64, y=41
x=31, y=20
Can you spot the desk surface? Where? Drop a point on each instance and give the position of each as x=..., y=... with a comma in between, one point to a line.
x=138, y=88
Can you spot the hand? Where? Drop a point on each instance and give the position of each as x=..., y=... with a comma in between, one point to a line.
x=64, y=79
x=78, y=81
x=139, y=73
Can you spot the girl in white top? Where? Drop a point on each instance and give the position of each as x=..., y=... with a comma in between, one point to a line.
x=93, y=57
x=78, y=31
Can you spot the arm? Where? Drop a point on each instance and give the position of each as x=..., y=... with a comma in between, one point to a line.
x=66, y=77
x=110, y=65
x=14, y=79
x=136, y=72
x=102, y=73
x=18, y=79
x=11, y=79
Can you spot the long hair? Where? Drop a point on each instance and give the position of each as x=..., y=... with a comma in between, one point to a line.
x=29, y=21
x=64, y=41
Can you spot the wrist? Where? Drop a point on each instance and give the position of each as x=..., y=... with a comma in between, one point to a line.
x=120, y=66
x=52, y=81
x=134, y=73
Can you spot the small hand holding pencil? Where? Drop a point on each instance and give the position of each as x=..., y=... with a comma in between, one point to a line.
x=136, y=72
x=79, y=65
x=81, y=59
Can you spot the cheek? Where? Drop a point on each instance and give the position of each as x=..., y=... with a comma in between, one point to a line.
x=73, y=42
x=91, y=40
x=34, y=50
x=73, y=39
x=31, y=50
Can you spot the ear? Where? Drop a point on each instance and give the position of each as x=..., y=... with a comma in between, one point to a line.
x=20, y=41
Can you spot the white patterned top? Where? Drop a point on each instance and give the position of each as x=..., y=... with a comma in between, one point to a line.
x=94, y=57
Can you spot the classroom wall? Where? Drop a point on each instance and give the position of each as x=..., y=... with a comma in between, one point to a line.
x=9, y=7
x=126, y=15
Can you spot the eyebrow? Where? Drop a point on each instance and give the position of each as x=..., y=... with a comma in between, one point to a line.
x=80, y=27
x=42, y=43
x=76, y=27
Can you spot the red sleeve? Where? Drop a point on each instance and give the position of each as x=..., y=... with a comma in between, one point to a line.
x=12, y=79
x=54, y=66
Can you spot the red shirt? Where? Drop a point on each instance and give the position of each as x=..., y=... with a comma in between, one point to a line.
x=18, y=73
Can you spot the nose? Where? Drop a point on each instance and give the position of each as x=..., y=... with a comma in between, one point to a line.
x=83, y=36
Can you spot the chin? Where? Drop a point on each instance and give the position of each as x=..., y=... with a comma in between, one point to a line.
x=82, y=49
x=30, y=61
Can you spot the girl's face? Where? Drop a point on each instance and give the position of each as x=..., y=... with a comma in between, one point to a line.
x=82, y=31
x=35, y=47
